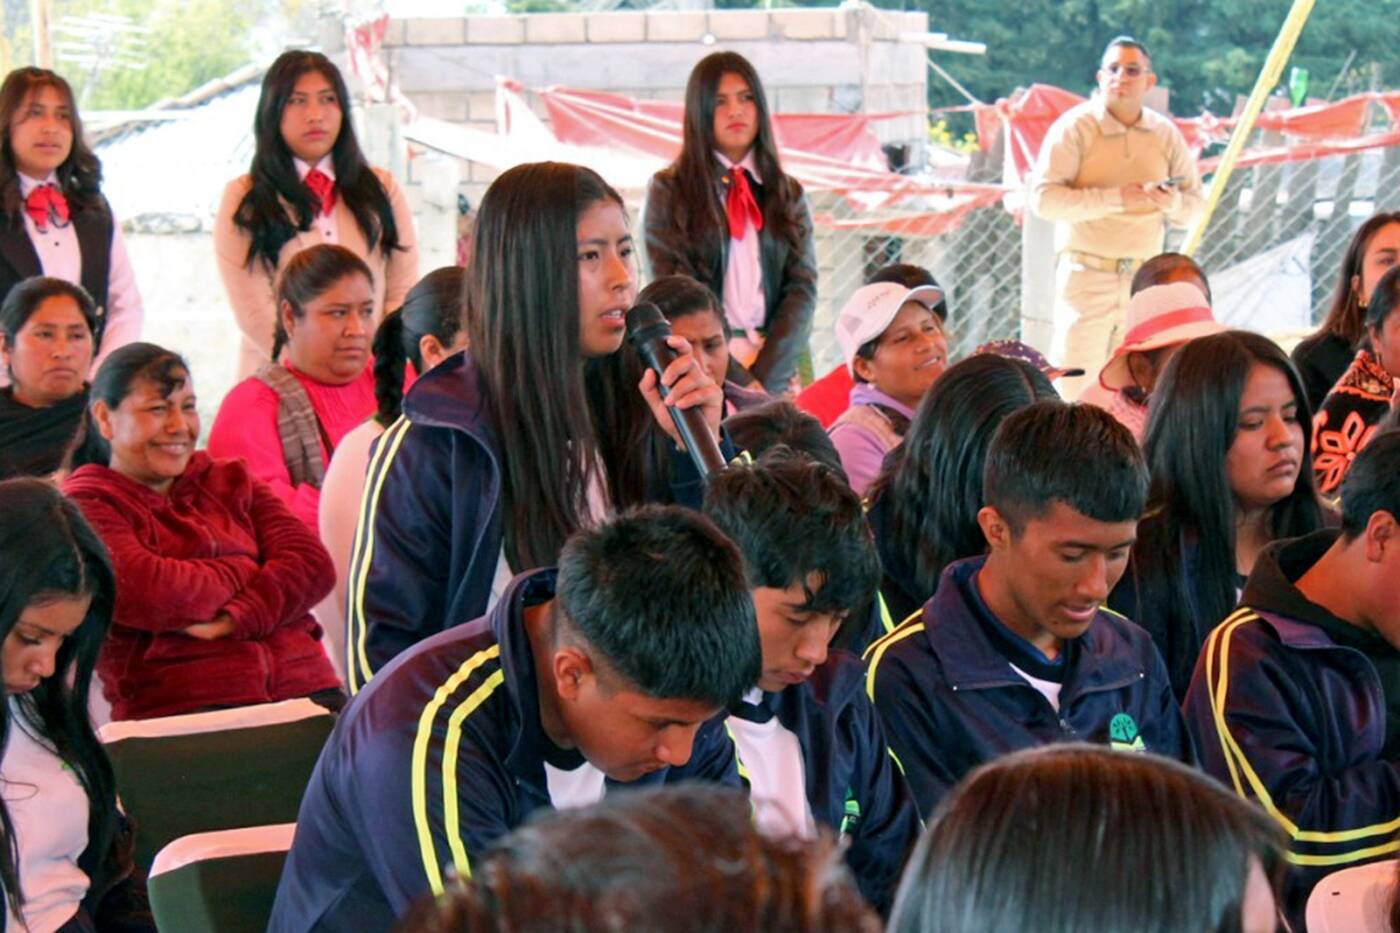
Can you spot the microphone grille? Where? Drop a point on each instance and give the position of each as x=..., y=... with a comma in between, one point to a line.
x=645, y=314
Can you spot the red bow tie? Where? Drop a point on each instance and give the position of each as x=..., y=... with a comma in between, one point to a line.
x=47, y=204
x=323, y=186
x=741, y=205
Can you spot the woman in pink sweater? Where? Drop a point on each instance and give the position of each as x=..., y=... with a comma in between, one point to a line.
x=287, y=419
x=215, y=577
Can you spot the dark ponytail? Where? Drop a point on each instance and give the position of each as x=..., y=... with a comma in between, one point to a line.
x=436, y=307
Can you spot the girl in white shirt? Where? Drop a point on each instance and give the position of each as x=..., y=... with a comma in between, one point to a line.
x=54, y=220
x=64, y=858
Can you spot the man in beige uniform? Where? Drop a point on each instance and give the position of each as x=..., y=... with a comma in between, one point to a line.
x=1111, y=173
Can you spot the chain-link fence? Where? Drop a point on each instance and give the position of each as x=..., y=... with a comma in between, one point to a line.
x=1276, y=227
x=977, y=263
x=1316, y=204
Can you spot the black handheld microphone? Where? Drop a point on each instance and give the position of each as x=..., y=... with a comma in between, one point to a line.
x=648, y=330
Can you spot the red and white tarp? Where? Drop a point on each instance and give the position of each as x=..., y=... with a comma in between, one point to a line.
x=627, y=140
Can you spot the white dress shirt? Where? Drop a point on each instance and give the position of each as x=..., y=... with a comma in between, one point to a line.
x=323, y=224
x=59, y=257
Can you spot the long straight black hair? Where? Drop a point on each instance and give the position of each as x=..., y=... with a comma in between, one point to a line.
x=698, y=209
x=575, y=415
x=1346, y=314
x=932, y=483
x=1191, y=425
x=79, y=175
x=47, y=551
x=263, y=210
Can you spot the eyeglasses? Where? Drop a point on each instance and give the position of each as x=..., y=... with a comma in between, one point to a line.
x=1131, y=70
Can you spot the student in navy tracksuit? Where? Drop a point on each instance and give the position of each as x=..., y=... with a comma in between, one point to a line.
x=809, y=741
x=1295, y=701
x=780, y=422
x=579, y=679
x=548, y=424
x=1015, y=649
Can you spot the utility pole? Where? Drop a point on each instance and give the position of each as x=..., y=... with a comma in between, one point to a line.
x=39, y=20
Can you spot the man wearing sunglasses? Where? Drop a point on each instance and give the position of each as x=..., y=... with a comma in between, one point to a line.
x=1111, y=174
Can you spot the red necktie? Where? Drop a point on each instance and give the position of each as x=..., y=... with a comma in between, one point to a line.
x=46, y=203
x=323, y=187
x=740, y=204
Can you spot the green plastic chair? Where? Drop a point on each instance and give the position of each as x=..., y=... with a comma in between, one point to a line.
x=220, y=882
x=227, y=769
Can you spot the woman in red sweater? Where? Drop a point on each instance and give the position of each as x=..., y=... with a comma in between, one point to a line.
x=215, y=576
x=286, y=419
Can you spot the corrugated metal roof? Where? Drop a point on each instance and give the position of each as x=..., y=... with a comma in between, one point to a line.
x=169, y=175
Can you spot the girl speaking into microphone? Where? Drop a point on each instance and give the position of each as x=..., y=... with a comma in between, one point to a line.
x=725, y=213
x=546, y=424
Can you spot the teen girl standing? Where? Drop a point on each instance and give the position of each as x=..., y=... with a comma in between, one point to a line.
x=54, y=220
x=309, y=184
x=725, y=213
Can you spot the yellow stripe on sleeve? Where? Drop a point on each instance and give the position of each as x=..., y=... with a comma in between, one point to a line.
x=1236, y=758
x=357, y=668
x=886, y=622
x=877, y=651
x=419, y=763
x=738, y=760
x=449, y=769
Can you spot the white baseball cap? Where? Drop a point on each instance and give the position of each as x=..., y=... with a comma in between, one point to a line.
x=869, y=311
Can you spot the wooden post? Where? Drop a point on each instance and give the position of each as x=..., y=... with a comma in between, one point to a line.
x=39, y=20
x=1268, y=77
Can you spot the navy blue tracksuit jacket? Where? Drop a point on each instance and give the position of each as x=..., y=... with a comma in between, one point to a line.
x=950, y=700
x=439, y=756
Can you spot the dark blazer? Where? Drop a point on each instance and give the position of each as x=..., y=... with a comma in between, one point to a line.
x=789, y=277
x=93, y=225
x=1321, y=360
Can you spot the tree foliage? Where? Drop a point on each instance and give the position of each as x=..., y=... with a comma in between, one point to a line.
x=189, y=43
x=1207, y=53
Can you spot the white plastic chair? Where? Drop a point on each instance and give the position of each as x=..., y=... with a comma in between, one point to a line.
x=1353, y=900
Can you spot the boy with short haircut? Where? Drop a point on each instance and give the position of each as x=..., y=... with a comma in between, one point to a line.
x=809, y=740
x=1015, y=648
x=1295, y=700
x=610, y=669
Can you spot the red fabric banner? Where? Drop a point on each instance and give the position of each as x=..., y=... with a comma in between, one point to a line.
x=599, y=118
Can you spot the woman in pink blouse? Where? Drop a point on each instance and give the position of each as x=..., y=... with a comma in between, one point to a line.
x=286, y=420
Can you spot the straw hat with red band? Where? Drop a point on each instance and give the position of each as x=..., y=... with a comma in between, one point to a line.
x=1160, y=316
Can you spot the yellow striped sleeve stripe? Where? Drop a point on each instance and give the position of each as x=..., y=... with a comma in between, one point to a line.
x=419, y=764
x=357, y=668
x=1242, y=773
x=909, y=620
x=876, y=652
x=886, y=621
x=738, y=759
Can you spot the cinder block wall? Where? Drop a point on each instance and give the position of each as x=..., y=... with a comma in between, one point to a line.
x=812, y=60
